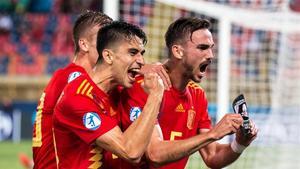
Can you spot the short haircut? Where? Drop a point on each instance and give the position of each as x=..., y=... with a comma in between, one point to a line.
x=116, y=32
x=183, y=28
x=85, y=21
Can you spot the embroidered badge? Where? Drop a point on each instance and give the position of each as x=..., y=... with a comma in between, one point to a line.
x=91, y=120
x=191, y=118
x=73, y=76
x=134, y=113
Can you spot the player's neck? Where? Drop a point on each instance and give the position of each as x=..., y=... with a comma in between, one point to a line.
x=83, y=61
x=178, y=79
x=102, y=76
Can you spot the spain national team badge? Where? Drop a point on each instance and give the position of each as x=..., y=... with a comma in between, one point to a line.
x=191, y=118
x=73, y=76
x=91, y=120
x=134, y=113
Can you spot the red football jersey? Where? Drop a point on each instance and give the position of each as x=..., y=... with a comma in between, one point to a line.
x=181, y=116
x=82, y=115
x=42, y=141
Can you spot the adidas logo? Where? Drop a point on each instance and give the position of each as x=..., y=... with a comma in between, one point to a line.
x=179, y=108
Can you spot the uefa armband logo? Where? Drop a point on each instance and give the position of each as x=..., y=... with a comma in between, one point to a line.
x=134, y=113
x=73, y=76
x=91, y=121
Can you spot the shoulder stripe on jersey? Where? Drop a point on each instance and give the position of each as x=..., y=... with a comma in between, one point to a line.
x=194, y=85
x=81, y=85
x=88, y=93
x=85, y=87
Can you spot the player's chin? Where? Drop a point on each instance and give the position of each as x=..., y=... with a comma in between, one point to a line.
x=197, y=79
x=128, y=83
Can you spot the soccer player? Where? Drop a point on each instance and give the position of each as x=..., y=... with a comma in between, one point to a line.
x=82, y=120
x=183, y=119
x=84, y=35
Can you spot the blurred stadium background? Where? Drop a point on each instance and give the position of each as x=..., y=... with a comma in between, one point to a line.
x=257, y=53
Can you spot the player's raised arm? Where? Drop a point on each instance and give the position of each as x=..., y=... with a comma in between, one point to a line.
x=161, y=152
x=216, y=155
x=131, y=144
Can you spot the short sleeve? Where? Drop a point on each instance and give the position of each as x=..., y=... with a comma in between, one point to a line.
x=86, y=120
x=204, y=119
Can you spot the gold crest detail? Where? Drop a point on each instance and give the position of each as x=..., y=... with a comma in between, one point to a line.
x=191, y=119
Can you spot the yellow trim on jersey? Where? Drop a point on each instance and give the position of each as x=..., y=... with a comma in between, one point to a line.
x=175, y=134
x=81, y=85
x=96, y=158
x=85, y=87
x=55, y=149
x=37, y=139
x=88, y=93
x=194, y=85
x=112, y=112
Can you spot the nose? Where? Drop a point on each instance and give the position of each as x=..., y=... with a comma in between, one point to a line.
x=210, y=54
x=140, y=59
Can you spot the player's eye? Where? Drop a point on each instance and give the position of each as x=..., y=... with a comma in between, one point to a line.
x=133, y=52
x=204, y=46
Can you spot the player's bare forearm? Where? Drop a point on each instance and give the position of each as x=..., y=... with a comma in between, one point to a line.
x=217, y=155
x=139, y=132
x=132, y=144
x=161, y=152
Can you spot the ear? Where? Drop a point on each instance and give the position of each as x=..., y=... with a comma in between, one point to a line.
x=83, y=44
x=107, y=56
x=177, y=51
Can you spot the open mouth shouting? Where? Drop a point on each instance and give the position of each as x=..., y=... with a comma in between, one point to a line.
x=203, y=67
x=133, y=72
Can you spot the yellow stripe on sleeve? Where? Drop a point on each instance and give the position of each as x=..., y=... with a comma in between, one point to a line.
x=81, y=85
x=85, y=87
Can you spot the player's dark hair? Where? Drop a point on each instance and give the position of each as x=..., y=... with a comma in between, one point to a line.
x=183, y=28
x=87, y=20
x=116, y=32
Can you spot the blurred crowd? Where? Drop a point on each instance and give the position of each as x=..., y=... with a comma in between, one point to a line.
x=36, y=35
x=47, y=6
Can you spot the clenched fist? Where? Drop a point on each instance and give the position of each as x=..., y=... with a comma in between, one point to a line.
x=153, y=84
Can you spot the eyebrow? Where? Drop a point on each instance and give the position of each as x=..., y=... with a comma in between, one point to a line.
x=205, y=46
x=134, y=50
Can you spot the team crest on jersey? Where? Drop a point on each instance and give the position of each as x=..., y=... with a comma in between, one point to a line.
x=134, y=113
x=91, y=120
x=73, y=76
x=191, y=118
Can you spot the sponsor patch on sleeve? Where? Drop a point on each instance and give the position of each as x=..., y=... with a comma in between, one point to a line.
x=73, y=76
x=134, y=113
x=91, y=120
